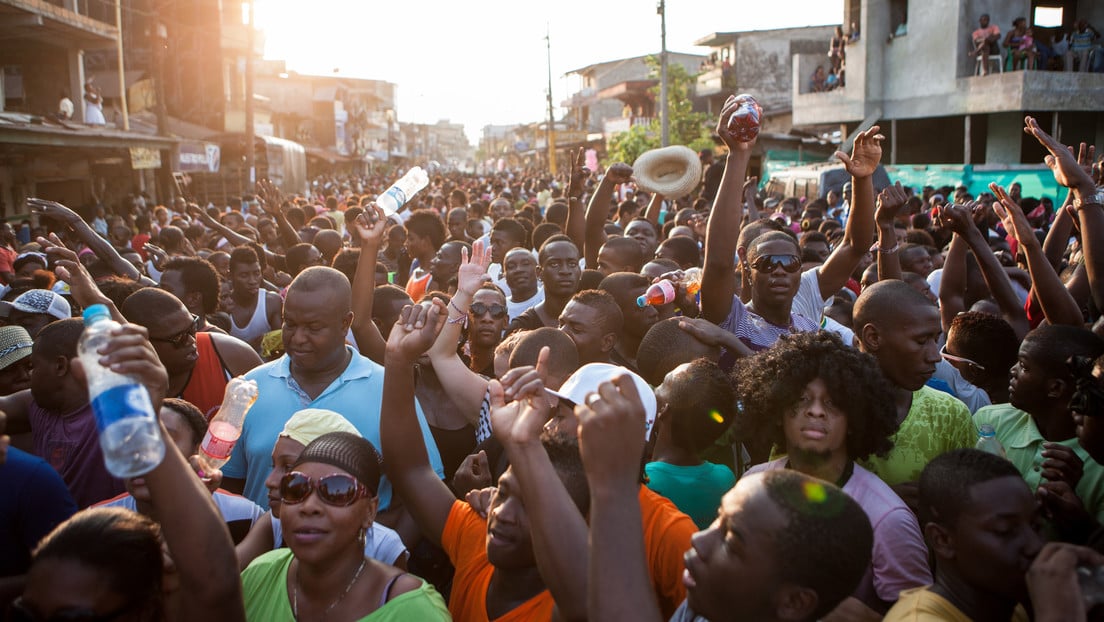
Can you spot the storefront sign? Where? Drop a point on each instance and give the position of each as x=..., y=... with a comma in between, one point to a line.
x=197, y=158
x=144, y=158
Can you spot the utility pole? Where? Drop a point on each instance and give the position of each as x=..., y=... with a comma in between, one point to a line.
x=250, y=133
x=122, y=68
x=551, y=117
x=665, y=129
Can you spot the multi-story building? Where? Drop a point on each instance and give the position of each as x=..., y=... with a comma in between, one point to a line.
x=43, y=56
x=615, y=95
x=911, y=71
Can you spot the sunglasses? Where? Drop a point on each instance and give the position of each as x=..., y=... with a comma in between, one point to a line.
x=497, y=311
x=180, y=339
x=20, y=612
x=958, y=359
x=338, y=489
x=767, y=263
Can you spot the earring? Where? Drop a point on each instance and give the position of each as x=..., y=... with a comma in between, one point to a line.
x=362, y=536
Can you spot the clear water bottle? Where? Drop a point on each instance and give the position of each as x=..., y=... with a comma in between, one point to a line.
x=226, y=426
x=987, y=441
x=392, y=200
x=130, y=435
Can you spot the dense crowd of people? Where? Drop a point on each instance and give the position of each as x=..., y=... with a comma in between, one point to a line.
x=476, y=409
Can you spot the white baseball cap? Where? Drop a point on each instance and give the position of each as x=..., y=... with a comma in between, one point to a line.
x=39, y=301
x=587, y=378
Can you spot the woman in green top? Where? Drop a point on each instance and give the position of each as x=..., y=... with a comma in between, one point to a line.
x=328, y=501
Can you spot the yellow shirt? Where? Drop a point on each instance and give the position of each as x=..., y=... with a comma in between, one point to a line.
x=923, y=605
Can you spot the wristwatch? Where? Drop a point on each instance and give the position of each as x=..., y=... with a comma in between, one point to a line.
x=1092, y=199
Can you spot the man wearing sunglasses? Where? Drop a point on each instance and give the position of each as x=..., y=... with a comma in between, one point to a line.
x=781, y=300
x=199, y=363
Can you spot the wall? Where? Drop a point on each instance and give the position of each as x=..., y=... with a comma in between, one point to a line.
x=764, y=61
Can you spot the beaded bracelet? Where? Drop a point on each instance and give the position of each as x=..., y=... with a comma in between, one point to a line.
x=876, y=248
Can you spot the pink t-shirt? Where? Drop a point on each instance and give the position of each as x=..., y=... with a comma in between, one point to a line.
x=900, y=557
x=985, y=33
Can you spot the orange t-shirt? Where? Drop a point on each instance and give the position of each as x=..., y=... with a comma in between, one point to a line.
x=464, y=539
x=416, y=286
x=667, y=533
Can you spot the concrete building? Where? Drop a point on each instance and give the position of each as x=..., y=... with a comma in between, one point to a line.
x=43, y=49
x=615, y=95
x=912, y=73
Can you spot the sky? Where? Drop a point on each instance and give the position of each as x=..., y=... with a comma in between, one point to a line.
x=484, y=62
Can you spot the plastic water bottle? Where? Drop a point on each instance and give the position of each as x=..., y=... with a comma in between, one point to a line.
x=130, y=435
x=744, y=123
x=226, y=426
x=401, y=191
x=664, y=291
x=987, y=441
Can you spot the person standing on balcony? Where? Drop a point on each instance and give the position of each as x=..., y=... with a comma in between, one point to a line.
x=837, y=49
x=93, y=105
x=985, y=40
x=1081, y=42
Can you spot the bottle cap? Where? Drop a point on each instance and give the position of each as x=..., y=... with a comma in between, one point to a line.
x=95, y=313
x=987, y=430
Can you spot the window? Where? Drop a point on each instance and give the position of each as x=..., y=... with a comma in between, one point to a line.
x=1048, y=16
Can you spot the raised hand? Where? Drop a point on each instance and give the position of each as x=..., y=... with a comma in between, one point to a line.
x=1066, y=167
x=731, y=105
x=1012, y=216
x=578, y=174
x=519, y=404
x=270, y=196
x=957, y=218
x=866, y=153
x=473, y=271
x=889, y=203
x=69, y=269
x=52, y=210
x=370, y=226
x=200, y=214
x=158, y=256
x=611, y=433
x=416, y=329
x=751, y=188
x=619, y=173
x=474, y=473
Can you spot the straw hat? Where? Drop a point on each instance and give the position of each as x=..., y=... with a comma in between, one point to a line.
x=671, y=171
x=15, y=345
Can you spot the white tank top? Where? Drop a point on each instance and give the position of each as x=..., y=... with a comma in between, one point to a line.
x=252, y=332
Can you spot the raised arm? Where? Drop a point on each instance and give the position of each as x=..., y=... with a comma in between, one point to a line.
x=651, y=214
x=369, y=227
x=751, y=210
x=1057, y=239
x=718, y=285
x=1057, y=303
x=890, y=201
x=952, y=285
x=407, y=464
x=597, y=212
x=519, y=410
x=193, y=529
x=857, y=236
x=611, y=440
x=81, y=285
x=271, y=203
x=465, y=387
x=103, y=249
x=576, y=211
x=1075, y=173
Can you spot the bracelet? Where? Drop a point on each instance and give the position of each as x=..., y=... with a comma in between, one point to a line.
x=876, y=248
x=458, y=309
x=462, y=319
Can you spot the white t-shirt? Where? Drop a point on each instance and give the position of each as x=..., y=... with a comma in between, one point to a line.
x=517, y=308
x=498, y=277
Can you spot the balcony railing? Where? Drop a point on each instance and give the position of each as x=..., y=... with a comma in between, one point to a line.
x=622, y=124
x=716, y=80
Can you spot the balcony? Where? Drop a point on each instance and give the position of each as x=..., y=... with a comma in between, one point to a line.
x=48, y=22
x=584, y=97
x=714, y=81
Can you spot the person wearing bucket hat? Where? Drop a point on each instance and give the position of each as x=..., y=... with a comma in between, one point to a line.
x=35, y=309
x=15, y=359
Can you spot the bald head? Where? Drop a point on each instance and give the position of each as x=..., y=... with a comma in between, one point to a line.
x=886, y=300
x=320, y=280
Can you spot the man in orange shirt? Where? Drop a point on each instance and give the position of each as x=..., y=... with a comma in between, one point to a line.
x=497, y=575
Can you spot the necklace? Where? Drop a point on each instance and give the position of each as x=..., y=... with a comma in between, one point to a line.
x=295, y=592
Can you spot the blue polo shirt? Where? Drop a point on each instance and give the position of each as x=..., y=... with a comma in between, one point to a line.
x=355, y=395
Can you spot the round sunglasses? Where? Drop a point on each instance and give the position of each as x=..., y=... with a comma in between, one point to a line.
x=497, y=311
x=337, y=489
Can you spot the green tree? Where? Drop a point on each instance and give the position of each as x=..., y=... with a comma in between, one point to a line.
x=693, y=129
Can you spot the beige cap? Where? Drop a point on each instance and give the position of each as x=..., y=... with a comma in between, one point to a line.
x=310, y=423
